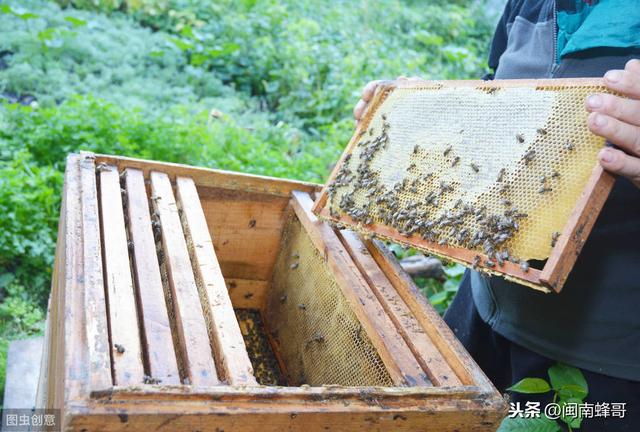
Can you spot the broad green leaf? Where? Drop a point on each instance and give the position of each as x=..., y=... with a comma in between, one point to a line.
x=438, y=298
x=562, y=375
x=182, y=44
x=77, y=22
x=520, y=424
x=46, y=34
x=572, y=391
x=573, y=421
x=530, y=385
x=26, y=15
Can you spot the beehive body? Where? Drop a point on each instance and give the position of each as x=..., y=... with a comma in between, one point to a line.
x=313, y=343
x=493, y=168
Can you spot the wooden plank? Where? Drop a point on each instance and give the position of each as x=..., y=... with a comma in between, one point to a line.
x=403, y=367
x=247, y=293
x=228, y=344
x=126, y=350
x=195, y=347
x=427, y=354
x=467, y=257
x=577, y=229
x=246, y=228
x=207, y=177
x=94, y=291
x=156, y=330
x=53, y=349
x=460, y=361
x=318, y=412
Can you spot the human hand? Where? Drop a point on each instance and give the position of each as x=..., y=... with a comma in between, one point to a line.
x=367, y=94
x=618, y=120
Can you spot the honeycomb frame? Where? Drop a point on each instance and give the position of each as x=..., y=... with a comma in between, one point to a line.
x=485, y=144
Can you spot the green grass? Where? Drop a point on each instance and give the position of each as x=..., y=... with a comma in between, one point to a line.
x=140, y=78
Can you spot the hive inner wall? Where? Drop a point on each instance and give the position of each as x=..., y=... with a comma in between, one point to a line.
x=316, y=334
x=493, y=130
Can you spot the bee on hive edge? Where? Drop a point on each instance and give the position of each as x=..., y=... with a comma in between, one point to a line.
x=448, y=150
x=455, y=161
x=554, y=238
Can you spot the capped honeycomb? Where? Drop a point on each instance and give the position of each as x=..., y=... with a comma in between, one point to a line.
x=494, y=167
x=318, y=336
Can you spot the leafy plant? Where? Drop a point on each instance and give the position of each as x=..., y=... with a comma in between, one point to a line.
x=568, y=386
x=440, y=292
x=259, y=86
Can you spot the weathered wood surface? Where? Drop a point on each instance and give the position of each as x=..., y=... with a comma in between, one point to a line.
x=207, y=177
x=531, y=277
x=156, y=330
x=577, y=229
x=392, y=349
x=246, y=228
x=228, y=345
x=195, y=346
x=88, y=405
x=427, y=354
x=247, y=293
x=126, y=349
x=459, y=360
x=92, y=291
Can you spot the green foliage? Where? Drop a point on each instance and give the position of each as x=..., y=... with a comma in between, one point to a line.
x=305, y=60
x=568, y=386
x=29, y=201
x=141, y=77
x=519, y=424
x=530, y=385
x=440, y=292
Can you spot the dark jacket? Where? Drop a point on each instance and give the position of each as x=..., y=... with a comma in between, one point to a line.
x=594, y=323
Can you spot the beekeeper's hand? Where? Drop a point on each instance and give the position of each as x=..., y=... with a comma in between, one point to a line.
x=618, y=120
x=367, y=94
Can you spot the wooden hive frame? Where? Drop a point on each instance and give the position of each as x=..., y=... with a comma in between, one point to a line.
x=108, y=293
x=573, y=236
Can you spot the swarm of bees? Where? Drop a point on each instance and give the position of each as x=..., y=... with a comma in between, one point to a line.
x=463, y=225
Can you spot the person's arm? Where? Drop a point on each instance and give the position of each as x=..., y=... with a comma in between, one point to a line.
x=618, y=120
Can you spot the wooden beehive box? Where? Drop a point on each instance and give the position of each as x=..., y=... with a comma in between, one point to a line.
x=281, y=322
